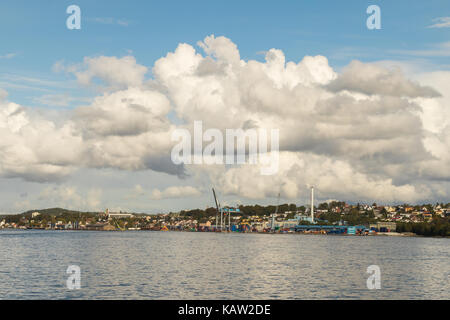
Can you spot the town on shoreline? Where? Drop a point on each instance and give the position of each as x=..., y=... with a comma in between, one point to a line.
x=334, y=217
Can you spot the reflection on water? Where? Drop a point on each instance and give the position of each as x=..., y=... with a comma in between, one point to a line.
x=175, y=265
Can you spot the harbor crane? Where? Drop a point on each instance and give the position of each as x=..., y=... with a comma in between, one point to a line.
x=224, y=212
x=219, y=210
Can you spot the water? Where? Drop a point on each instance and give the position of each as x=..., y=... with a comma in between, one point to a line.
x=183, y=265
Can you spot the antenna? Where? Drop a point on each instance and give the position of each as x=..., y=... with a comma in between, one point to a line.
x=273, y=214
x=278, y=203
x=312, y=204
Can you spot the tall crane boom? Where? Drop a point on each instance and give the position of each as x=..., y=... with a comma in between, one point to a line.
x=215, y=199
x=217, y=205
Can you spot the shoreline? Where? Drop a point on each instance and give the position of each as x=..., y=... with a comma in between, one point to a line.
x=380, y=234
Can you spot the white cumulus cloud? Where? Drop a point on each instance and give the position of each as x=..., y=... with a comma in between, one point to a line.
x=364, y=133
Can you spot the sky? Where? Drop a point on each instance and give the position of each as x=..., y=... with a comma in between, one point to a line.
x=363, y=114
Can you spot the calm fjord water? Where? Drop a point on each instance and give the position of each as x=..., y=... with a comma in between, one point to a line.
x=184, y=265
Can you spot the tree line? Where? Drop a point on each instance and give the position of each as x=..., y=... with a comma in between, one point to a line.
x=437, y=227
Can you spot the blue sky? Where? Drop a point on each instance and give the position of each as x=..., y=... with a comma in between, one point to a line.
x=35, y=35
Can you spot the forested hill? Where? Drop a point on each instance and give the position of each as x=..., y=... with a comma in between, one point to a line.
x=51, y=212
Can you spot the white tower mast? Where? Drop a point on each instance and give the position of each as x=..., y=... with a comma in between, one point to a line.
x=312, y=204
x=274, y=214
